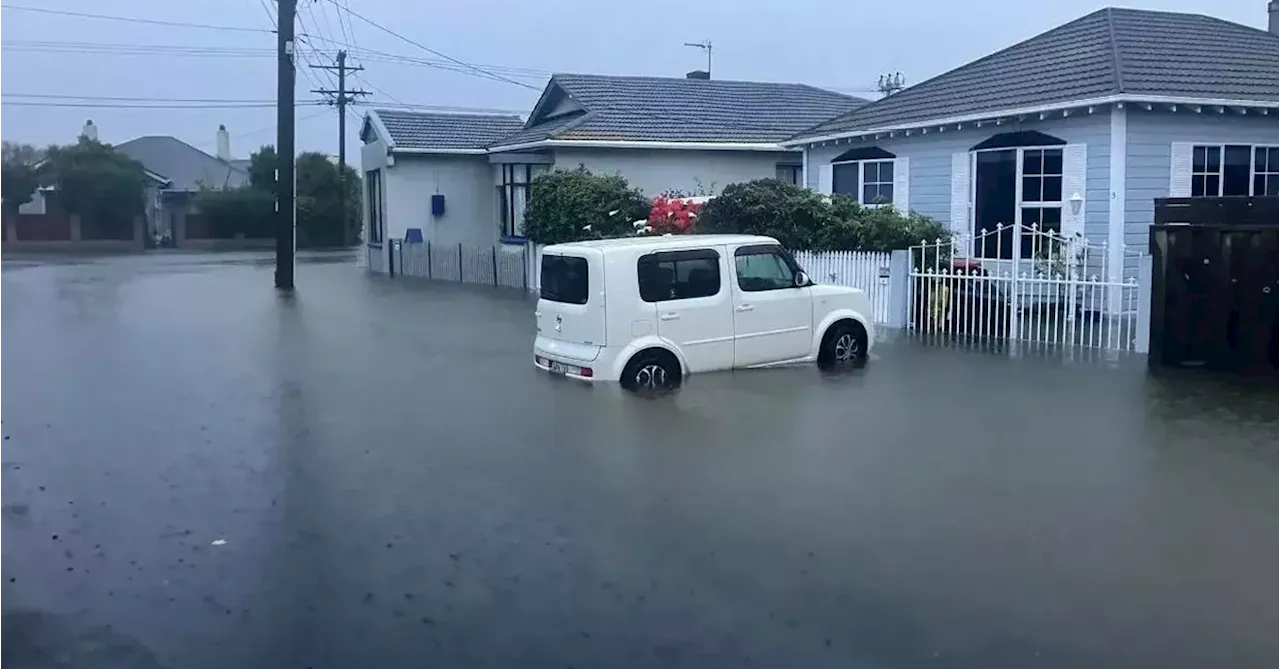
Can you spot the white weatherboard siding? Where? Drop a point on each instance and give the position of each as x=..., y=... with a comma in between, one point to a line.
x=931, y=162
x=1151, y=137
x=656, y=170
x=470, y=199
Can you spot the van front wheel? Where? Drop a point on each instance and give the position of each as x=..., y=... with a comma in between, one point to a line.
x=844, y=343
x=651, y=370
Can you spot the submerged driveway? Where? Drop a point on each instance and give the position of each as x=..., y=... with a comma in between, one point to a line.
x=198, y=473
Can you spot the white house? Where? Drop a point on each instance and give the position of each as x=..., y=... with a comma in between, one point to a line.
x=1078, y=129
x=464, y=178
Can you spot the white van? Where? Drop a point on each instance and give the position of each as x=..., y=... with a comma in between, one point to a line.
x=647, y=311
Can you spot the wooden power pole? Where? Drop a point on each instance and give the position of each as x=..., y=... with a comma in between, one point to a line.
x=341, y=98
x=285, y=205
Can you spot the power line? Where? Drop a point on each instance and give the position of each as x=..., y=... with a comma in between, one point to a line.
x=121, y=105
x=428, y=49
x=130, y=19
x=134, y=98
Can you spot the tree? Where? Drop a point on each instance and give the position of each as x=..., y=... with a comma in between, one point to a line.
x=19, y=176
x=103, y=186
x=572, y=205
x=319, y=214
x=262, y=169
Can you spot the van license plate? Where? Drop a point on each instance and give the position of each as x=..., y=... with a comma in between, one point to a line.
x=559, y=368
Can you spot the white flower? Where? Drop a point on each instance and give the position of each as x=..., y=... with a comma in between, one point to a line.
x=587, y=228
x=613, y=213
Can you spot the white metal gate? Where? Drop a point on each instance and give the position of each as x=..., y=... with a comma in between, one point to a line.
x=1019, y=283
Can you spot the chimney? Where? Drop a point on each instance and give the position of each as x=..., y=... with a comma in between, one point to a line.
x=1273, y=21
x=90, y=130
x=698, y=74
x=224, y=143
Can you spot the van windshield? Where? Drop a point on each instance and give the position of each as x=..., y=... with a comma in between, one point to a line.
x=564, y=279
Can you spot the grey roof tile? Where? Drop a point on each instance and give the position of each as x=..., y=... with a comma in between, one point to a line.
x=683, y=110
x=421, y=130
x=187, y=167
x=1109, y=52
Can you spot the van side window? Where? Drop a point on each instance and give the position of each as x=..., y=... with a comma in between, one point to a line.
x=564, y=279
x=678, y=275
x=764, y=268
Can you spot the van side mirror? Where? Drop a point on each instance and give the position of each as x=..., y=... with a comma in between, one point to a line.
x=802, y=279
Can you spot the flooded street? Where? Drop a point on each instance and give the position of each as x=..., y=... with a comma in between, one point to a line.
x=201, y=473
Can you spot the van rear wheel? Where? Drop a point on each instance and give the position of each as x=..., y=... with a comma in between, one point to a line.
x=651, y=370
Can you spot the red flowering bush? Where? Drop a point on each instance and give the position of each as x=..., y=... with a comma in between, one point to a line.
x=673, y=215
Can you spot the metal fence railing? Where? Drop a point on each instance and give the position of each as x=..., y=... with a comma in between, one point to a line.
x=502, y=265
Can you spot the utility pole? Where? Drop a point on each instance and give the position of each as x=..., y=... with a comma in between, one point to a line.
x=705, y=45
x=890, y=83
x=341, y=98
x=285, y=205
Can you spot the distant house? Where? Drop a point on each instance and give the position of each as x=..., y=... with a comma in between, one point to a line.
x=1077, y=129
x=178, y=172
x=660, y=133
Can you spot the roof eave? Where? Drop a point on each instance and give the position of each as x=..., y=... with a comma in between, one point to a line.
x=425, y=151
x=640, y=144
x=1041, y=110
x=381, y=129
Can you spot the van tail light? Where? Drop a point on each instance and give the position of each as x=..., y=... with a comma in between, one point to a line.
x=586, y=371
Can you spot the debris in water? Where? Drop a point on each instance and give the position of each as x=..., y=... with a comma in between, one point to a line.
x=218, y=542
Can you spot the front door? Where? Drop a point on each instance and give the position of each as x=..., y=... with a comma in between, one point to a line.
x=693, y=302
x=995, y=200
x=772, y=317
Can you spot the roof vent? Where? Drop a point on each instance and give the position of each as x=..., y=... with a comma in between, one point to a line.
x=698, y=74
x=1273, y=17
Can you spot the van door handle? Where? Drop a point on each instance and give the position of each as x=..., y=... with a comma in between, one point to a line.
x=669, y=316
x=743, y=307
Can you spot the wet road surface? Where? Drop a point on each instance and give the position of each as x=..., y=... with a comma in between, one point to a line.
x=199, y=473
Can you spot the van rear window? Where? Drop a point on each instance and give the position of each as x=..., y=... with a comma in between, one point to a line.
x=564, y=279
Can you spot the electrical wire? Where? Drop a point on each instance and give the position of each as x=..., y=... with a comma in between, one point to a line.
x=130, y=19
x=478, y=70
x=122, y=105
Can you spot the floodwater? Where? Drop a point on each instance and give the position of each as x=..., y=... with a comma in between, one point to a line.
x=198, y=472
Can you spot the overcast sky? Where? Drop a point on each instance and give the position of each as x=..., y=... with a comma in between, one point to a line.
x=838, y=44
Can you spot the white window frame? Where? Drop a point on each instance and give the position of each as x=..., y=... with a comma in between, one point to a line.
x=1018, y=198
x=862, y=179
x=515, y=178
x=374, y=185
x=1222, y=163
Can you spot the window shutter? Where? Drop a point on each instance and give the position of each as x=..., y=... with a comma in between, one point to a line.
x=1180, y=169
x=1074, y=157
x=824, y=179
x=960, y=196
x=901, y=184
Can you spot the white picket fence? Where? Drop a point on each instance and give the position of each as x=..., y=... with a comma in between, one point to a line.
x=868, y=270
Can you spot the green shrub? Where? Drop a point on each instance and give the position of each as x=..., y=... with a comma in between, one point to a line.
x=784, y=211
x=243, y=211
x=567, y=206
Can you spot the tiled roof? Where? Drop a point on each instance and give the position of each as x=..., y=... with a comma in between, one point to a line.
x=1109, y=52
x=184, y=165
x=682, y=110
x=419, y=130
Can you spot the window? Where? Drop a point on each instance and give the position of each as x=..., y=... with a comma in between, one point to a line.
x=1234, y=169
x=1266, y=171
x=870, y=182
x=678, y=275
x=373, y=184
x=789, y=173
x=564, y=279
x=764, y=268
x=513, y=195
x=1041, y=198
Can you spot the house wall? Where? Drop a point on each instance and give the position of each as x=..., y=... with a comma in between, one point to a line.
x=466, y=181
x=656, y=170
x=930, y=161
x=1151, y=135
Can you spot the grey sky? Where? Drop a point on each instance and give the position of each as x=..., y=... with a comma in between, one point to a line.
x=834, y=43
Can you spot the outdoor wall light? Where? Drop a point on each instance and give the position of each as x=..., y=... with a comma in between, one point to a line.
x=1077, y=201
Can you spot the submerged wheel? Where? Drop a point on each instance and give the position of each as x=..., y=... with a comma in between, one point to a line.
x=844, y=343
x=651, y=370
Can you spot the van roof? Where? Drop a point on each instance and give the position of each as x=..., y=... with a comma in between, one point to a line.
x=667, y=241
